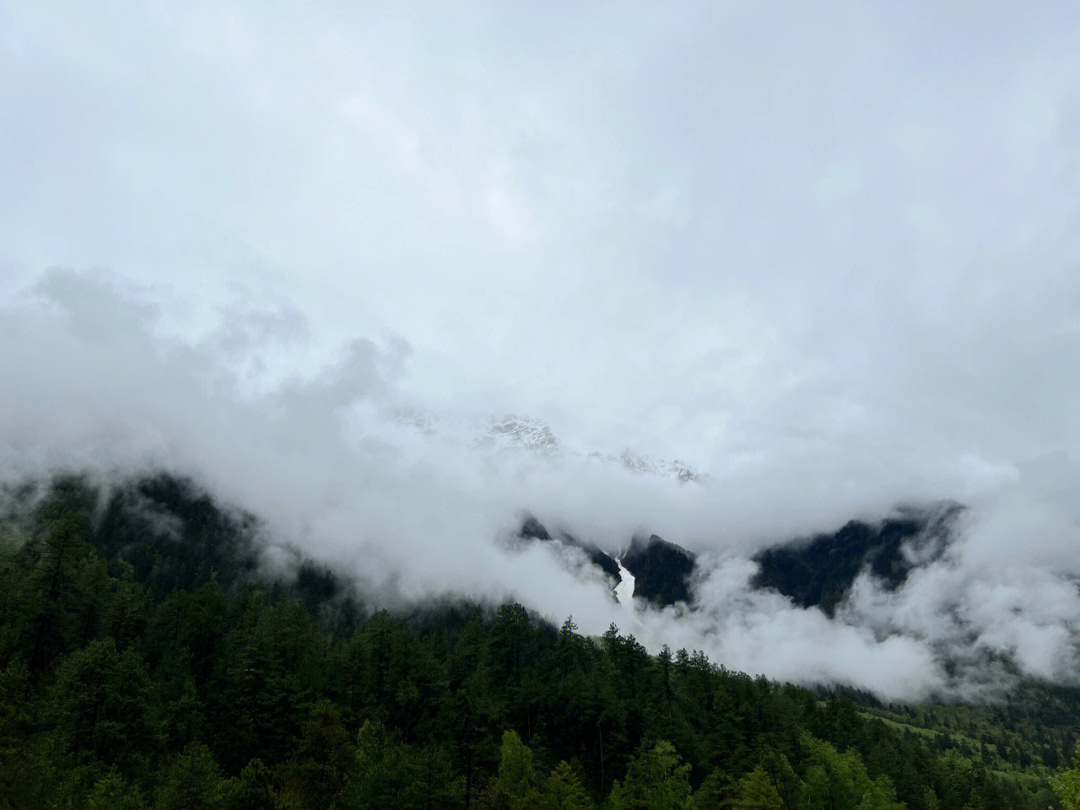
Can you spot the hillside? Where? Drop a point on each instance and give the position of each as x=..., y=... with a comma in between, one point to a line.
x=150, y=664
x=819, y=571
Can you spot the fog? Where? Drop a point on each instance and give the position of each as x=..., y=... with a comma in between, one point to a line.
x=329, y=465
x=825, y=256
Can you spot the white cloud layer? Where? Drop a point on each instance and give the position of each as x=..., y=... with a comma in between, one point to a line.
x=327, y=462
x=828, y=255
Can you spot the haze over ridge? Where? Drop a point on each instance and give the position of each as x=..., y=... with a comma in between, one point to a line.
x=826, y=257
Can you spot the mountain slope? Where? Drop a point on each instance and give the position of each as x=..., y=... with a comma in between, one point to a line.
x=246, y=697
x=662, y=570
x=820, y=571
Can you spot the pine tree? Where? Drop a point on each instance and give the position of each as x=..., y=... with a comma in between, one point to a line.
x=112, y=792
x=657, y=779
x=253, y=789
x=1066, y=783
x=516, y=776
x=757, y=792
x=564, y=791
x=193, y=782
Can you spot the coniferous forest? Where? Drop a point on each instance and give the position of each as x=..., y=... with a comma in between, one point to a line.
x=145, y=662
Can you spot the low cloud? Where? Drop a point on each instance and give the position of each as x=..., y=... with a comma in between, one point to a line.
x=825, y=256
x=329, y=465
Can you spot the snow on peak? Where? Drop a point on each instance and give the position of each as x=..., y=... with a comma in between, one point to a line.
x=522, y=433
x=676, y=470
x=531, y=435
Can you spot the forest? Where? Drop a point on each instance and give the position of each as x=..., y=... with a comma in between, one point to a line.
x=148, y=661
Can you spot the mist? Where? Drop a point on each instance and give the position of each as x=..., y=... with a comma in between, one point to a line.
x=825, y=257
x=330, y=467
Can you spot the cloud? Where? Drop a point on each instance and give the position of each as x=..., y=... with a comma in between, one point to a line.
x=826, y=256
x=325, y=460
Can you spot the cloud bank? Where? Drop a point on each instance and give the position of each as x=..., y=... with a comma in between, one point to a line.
x=825, y=255
x=329, y=464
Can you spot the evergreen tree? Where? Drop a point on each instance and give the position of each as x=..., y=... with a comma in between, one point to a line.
x=193, y=782
x=383, y=770
x=253, y=789
x=1066, y=784
x=563, y=790
x=757, y=792
x=712, y=792
x=112, y=792
x=100, y=704
x=657, y=779
x=323, y=760
x=516, y=786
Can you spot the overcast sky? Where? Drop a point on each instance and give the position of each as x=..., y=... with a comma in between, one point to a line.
x=691, y=228
x=827, y=253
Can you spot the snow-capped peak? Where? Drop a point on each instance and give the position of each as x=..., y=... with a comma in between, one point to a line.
x=521, y=433
x=531, y=435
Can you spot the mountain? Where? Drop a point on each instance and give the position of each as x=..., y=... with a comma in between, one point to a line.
x=662, y=570
x=533, y=529
x=820, y=570
x=521, y=433
x=675, y=470
x=226, y=688
x=531, y=435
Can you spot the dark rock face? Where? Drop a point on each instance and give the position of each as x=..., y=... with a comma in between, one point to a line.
x=533, y=529
x=661, y=570
x=604, y=561
x=820, y=571
x=601, y=559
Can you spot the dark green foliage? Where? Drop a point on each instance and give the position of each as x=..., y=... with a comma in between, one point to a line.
x=324, y=758
x=757, y=792
x=564, y=790
x=390, y=773
x=656, y=779
x=122, y=688
x=834, y=781
x=172, y=533
x=99, y=704
x=112, y=792
x=1066, y=784
x=191, y=782
x=253, y=789
x=515, y=786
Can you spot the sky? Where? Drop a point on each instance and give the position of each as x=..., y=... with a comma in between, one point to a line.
x=827, y=254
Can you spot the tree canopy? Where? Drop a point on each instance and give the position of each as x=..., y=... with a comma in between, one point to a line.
x=130, y=680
